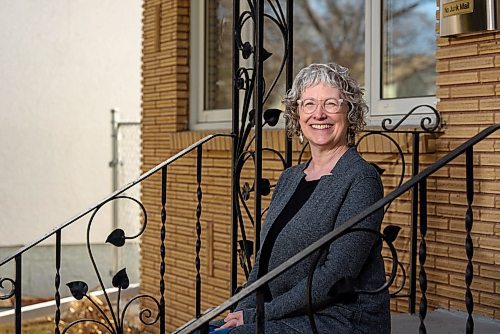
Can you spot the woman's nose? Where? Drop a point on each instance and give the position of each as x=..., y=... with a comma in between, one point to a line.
x=320, y=111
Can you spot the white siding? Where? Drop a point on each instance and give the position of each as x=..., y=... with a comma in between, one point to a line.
x=63, y=65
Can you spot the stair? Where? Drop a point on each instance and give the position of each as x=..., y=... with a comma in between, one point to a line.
x=443, y=322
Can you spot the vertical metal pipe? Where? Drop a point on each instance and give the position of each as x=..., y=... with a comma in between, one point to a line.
x=258, y=103
x=199, y=155
x=57, y=296
x=18, y=294
x=469, y=246
x=414, y=224
x=114, y=183
x=289, y=72
x=422, y=255
x=234, y=158
x=162, y=247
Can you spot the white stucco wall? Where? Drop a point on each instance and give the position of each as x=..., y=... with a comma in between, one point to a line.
x=63, y=66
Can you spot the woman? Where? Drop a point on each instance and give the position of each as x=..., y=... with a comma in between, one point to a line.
x=326, y=107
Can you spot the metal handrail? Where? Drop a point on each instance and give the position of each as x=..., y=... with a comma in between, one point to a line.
x=338, y=231
x=114, y=194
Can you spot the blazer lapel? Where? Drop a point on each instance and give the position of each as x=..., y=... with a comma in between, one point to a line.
x=282, y=199
x=325, y=189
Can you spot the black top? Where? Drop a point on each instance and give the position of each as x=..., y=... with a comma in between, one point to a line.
x=298, y=199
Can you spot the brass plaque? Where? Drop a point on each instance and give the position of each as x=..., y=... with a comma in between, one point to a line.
x=458, y=8
x=468, y=16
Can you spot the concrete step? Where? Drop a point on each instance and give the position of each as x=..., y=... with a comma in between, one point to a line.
x=443, y=322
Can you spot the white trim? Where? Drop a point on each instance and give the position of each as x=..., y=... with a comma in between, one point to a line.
x=368, y=56
x=383, y=108
x=199, y=118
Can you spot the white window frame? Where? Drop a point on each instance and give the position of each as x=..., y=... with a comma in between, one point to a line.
x=380, y=109
x=384, y=108
x=199, y=118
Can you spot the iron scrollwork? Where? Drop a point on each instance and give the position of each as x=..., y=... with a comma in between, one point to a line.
x=400, y=155
x=79, y=289
x=345, y=289
x=426, y=123
x=245, y=81
x=12, y=291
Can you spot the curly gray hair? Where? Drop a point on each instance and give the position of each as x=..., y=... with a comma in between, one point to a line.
x=336, y=76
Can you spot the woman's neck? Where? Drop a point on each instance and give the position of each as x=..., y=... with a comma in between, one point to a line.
x=323, y=161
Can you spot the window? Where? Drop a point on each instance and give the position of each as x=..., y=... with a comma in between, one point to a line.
x=402, y=56
x=211, y=63
x=395, y=64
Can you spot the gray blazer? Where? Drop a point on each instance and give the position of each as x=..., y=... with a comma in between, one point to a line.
x=352, y=186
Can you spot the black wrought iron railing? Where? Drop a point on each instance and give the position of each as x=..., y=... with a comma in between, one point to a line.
x=250, y=53
x=430, y=124
x=419, y=180
x=248, y=120
x=114, y=316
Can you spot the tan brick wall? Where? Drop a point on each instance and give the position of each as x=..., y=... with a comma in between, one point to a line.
x=468, y=87
x=468, y=73
x=165, y=76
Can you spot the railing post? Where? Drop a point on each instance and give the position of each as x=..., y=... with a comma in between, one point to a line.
x=259, y=104
x=162, y=247
x=234, y=160
x=414, y=223
x=289, y=72
x=199, y=155
x=57, y=297
x=259, y=312
x=469, y=246
x=18, y=294
x=422, y=255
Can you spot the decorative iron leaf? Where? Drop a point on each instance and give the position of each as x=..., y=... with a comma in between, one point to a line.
x=240, y=83
x=343, y=291
x=78, y=289
x=246, y=50
x=120, y=280
x=251, y=118
x=266, y=54
x=116, y=238
x=265, y=187
x=379, y=169
x=391, y=232
x=246, y=191
x=272, y=116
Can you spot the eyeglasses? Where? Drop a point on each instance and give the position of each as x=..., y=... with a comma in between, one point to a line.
x=330, y=105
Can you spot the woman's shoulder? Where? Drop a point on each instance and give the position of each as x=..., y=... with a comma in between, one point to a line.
x=351, y=165
x=294, y=171
x=356, y=165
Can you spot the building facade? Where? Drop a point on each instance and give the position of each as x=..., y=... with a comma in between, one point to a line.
x=64, y=65
x=461, y=77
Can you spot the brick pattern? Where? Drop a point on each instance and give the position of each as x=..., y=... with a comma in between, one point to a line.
x=468, y=74
x=468, y=86
x=165, y=77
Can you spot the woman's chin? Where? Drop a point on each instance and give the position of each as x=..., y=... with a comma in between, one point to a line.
x=326, y=143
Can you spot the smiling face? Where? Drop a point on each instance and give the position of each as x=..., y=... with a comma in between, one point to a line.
x=324, y=131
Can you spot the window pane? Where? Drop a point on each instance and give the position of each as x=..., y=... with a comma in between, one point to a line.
x=408, y=42
x=218, y=54
x=330, y=31
x=324, y=31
